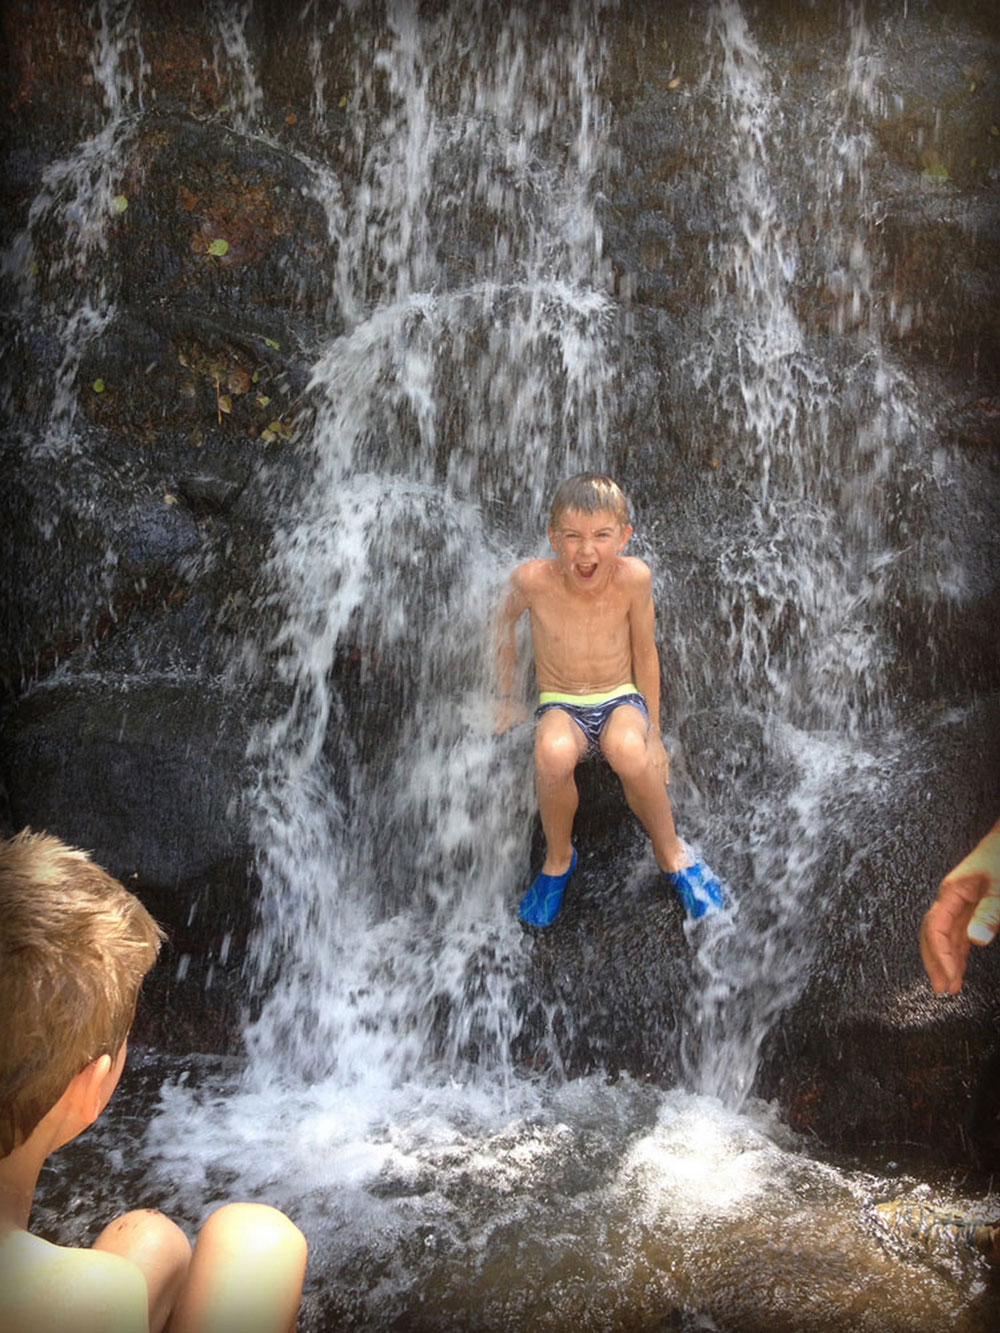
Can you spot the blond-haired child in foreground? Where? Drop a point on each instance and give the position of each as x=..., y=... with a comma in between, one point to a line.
x=598, y=670
x=74, y=948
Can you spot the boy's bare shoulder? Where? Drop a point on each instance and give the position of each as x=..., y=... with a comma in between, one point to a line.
x=533, y=576
x=634, y=573
x=46, y=1288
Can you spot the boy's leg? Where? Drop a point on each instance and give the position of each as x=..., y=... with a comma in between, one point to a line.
x=559, y=747
x=159, y=1248
x=623, y=744
x=246, y=1274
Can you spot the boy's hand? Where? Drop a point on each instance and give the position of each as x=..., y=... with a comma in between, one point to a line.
x=661, y=761
x=507, y=713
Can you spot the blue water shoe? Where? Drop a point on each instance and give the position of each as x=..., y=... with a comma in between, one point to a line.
x=541, y=903
x=698, y=889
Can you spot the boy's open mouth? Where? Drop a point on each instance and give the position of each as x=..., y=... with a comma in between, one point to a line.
x=586, y=571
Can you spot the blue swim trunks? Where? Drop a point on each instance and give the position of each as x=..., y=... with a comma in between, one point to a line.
x=590, y=712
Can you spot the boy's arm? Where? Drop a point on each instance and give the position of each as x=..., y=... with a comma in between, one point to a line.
x=646, y=660
x=507, y=710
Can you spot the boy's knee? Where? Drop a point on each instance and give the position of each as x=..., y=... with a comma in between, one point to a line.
x=252, y=1228
x=158, y=1248
x=146, y=1231
x=555, y=756
x=627, y=754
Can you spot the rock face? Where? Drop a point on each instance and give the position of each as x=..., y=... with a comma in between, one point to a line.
x=181, y=243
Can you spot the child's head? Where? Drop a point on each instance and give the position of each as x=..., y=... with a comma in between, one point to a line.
x=588, y=493
x=74, y=948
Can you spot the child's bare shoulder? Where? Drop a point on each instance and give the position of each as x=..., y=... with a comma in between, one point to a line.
x=533, y=577
x=46, y=1288
x=634, y=573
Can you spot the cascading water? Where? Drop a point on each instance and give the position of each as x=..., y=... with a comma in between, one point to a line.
x=383, y=1101
x=80, y=194
x=800, y=590
x=388, y=905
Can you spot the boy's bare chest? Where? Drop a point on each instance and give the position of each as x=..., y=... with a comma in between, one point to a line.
x=578, y=623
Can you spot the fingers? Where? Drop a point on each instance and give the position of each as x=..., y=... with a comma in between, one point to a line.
x=966, y=910
x=986, y=918
x=943, y=967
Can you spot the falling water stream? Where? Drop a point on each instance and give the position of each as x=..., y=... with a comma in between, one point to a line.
x=440, y=1183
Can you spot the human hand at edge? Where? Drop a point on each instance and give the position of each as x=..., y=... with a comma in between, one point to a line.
x=965, y=912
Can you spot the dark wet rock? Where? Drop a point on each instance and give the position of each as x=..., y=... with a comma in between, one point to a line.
x=725, y=749
x=210, y=494
x=198, y=183
x=940, y=248
x=607, y=980
x=868, y=1055
x=158, y=533
x=148, y=774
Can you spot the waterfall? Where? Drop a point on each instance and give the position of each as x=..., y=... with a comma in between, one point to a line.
x=392, y=835
x=64, y=284
x=816, y=443
x=229, y=23
x=460, y=167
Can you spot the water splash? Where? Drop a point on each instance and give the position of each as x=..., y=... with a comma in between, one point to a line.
x=818, y=441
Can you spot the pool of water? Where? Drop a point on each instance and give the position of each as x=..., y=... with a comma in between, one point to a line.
x=581, y=1205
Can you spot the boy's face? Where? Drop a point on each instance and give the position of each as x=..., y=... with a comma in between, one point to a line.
x=587, y=545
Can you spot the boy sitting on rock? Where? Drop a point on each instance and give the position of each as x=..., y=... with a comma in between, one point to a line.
x=74, y=948
x=598, y=670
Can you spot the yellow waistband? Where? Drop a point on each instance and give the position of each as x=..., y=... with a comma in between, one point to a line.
x=557, y=697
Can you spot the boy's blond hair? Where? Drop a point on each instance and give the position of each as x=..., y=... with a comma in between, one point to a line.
x=589, y=493
x=74, y=948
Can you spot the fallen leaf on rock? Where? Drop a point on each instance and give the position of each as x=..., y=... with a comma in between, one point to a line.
x=276, y=430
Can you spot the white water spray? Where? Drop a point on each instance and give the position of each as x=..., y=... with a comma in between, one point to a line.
x=800, y=592
x=389, y=873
